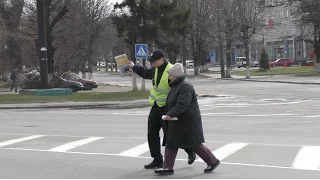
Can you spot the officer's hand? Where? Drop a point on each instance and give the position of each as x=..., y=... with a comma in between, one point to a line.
x=130, y=64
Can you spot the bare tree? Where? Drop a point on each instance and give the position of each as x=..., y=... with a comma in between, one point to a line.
x=230, y=29
x=308, y=14
x=249, y=21
x=93, y=11
x=3, y=57
x=219, y=30
x=199, y=33
x=11, y=12
x=80, y=37
x=55, y=12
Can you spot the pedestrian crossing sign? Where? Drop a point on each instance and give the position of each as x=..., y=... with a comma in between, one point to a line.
x=141, y=51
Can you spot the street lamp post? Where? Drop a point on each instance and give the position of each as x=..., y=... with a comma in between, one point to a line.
x=42, y=44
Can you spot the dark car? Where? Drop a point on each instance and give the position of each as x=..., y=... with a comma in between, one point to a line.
x=307, y=63
x=282, y=62
x=63, y=83
x=88, y=84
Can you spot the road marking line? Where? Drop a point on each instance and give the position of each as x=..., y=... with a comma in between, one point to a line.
x=315, y=116
x=207, y=114
x=136, y=151
x=308, y=158
x=264, y=115
x=142, y=157
x=226, y=150
x=14, y=141
x=74, y=144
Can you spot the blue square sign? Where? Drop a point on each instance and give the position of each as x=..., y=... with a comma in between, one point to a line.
x=141, y=51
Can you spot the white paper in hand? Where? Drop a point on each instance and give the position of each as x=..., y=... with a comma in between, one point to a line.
x=172, y=119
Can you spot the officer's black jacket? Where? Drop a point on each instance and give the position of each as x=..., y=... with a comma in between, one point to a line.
x=146, y=73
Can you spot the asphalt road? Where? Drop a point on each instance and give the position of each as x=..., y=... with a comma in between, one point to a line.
x=257, y=130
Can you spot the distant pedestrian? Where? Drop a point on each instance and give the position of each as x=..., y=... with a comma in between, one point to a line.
x=13, y=77
x=185, y=131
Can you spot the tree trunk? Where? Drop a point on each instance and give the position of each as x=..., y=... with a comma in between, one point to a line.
x=221, y=59
x=220, y=43
x=50, y=25
x=196, y=60
x=14, y=50
x=317, y=51
x=83, y=67
x=90, y=53
x=184, y=54
x=228, y=54
x=172, y=57
x=195, y=54
x=246, y=44
x=203, y=60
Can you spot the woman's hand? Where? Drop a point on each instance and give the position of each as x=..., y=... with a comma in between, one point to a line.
x=166, y=117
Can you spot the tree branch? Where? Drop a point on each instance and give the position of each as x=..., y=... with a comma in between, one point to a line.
x=58, y=17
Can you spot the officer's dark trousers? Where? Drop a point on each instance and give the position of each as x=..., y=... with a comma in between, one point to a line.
x=155, y=123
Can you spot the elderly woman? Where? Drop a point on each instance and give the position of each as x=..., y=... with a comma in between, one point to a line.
x=184, y=123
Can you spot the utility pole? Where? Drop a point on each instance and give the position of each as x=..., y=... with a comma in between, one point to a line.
x=42, y=44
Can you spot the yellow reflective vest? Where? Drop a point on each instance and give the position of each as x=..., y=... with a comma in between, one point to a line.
x=159, y=93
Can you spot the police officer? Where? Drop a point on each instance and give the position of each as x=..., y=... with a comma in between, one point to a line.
x=157, y=99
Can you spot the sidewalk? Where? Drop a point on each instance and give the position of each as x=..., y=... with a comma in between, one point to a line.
x=290, y=79
x=80, y=105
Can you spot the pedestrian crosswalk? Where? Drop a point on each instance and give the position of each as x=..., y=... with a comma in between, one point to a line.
x=269, y=155
x=74, y=144
x=308, y=158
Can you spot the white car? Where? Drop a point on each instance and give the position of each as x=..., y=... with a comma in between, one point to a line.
x=101, y=64
x=189, y=63
x=241, y=62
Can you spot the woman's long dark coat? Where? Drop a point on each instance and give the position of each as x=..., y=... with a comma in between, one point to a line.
x=182, y=103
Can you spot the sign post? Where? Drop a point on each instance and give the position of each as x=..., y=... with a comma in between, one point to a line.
x=142, y=53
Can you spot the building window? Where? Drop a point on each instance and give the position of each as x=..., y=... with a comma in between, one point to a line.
x=287, y=13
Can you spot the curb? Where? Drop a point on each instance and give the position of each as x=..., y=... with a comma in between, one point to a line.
x=125, y=105
x=270, y=81
x=92, y=105
x=277, y=81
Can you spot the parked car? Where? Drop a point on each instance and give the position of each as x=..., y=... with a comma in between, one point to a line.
x=88, y=84
x=30, y=70
x=242, y=61
x=63, y=83
x=101, y=64
x=282, y=62
x=189, y=63
x=307, y=63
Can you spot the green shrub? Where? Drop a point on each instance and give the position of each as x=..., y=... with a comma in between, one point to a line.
x=264, y=63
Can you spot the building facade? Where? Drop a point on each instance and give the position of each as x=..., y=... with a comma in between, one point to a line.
x=280, y=35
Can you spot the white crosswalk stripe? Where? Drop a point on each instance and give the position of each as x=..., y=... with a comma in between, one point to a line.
x=136, y=151
x=308, y=158
x=301, y=157
x=71, y=145
x=14, y=141
x=225, y=151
